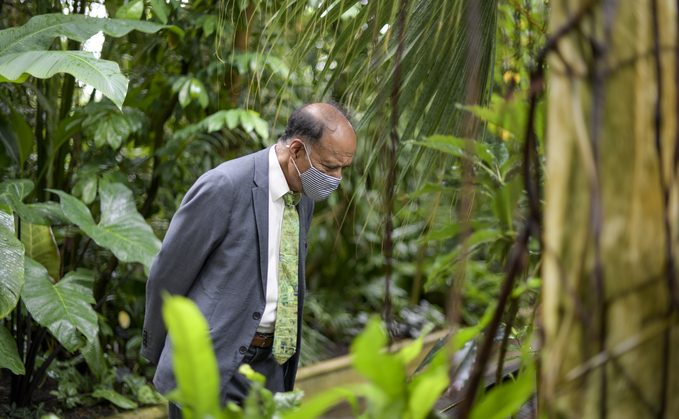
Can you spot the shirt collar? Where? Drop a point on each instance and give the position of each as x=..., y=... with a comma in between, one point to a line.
x=278, y=186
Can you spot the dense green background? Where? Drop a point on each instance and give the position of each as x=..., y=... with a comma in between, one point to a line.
x=208, y=81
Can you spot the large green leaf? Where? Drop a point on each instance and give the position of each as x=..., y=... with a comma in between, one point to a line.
x=160, y=9
x=40, y=246
x=426, y=388
x=23, y=50
x=133, y=10
x=121, y=228
x=505, y=400
x=12, y=192
x=317, y=405
x=65, y=308
x=382, y=369
x=20, y=188
x=51, y=211
x=40, y=31
x=115, y=398
x=9, y=355
x=11, y=263
x=104, y=75
x=194, y=361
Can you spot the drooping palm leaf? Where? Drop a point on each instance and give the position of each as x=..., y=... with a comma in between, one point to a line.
x=249, y=120
x=447, y=45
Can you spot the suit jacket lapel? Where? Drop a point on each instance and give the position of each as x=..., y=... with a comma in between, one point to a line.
x=302, y=211
x=260, y=200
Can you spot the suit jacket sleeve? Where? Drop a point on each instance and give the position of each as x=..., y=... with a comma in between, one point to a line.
x=197, y=228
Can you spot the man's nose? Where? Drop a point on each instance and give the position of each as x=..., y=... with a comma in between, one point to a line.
x=337, y=173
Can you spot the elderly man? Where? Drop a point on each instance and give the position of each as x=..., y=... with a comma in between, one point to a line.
x=237, y=247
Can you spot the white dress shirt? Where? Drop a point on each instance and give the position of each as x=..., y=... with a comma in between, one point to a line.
x=278, y=187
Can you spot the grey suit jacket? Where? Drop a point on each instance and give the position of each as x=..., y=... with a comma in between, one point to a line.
x=216, y=253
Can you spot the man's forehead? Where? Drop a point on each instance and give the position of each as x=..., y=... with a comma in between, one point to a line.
x=331, y=148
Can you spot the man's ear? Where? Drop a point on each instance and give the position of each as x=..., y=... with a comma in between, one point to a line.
x=296, y=148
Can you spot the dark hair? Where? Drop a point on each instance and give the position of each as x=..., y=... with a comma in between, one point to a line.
x=307, y=126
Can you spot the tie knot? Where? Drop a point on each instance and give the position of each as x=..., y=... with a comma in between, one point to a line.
x=292, y=199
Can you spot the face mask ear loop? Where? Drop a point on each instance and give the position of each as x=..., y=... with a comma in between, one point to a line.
x=307, y=155
x=293, y=162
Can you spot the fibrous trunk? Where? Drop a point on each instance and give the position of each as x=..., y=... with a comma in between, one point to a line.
x=610, y=227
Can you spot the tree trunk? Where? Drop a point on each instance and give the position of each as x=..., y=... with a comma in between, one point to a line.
x=610, y=229
x=241, y=41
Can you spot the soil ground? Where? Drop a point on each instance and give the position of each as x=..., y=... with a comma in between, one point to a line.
x=50, y=402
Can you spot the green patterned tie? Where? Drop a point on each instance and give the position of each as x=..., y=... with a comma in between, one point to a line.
x=285, y=337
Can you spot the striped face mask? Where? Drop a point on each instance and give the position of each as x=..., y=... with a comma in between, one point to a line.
x=316, y=184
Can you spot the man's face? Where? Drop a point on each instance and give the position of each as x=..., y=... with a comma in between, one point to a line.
x=332, y=153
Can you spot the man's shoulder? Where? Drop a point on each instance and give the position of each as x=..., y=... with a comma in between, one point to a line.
x=239, y=171
x=238, y=166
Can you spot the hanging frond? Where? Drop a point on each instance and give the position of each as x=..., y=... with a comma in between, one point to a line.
x=447, y=44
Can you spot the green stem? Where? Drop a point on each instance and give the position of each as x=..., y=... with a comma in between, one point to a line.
x=42, y=150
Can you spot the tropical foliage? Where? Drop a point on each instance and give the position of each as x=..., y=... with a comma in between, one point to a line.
x=111, y=109
x=389, y=392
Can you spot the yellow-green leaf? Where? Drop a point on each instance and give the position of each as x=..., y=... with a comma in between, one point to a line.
x=194, y=361
x=41, y=246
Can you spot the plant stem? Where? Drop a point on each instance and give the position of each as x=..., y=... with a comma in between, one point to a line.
x=82, y=255
x=511, y=314
x=30, y=359
x=388, y=225
x=40, y=374
x=41, y=146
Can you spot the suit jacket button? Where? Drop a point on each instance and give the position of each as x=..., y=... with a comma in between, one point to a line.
x=243, y=349
x=257, y=315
